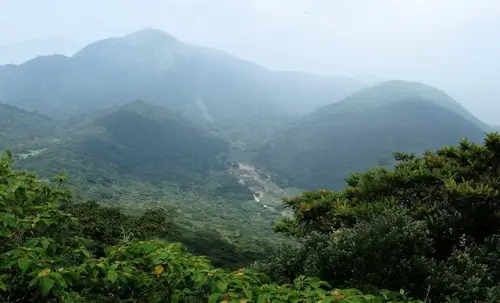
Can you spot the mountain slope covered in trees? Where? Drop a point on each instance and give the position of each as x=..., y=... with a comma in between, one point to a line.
x=206, y=86
x=429, y=226
x=363, y=129
x=21, y=129
x=146, y=142
x=138, y=156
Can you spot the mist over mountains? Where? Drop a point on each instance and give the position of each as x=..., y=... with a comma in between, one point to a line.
x=208, y=87
x=302, y=128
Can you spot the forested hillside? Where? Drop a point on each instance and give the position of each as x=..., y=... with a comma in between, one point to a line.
x=22, y=129
x=429, y=227
x=138, y=156
x=358, y=132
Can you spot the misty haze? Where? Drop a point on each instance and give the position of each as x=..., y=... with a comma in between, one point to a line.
x=249, y=151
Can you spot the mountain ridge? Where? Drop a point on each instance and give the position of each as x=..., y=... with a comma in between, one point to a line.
x=321, y=149
x=129, y=139
x=398, y=91
x=204, y=85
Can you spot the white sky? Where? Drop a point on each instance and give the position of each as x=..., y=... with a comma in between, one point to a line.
x=453, y=44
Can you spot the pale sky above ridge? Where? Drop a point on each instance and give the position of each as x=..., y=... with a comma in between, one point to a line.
x=451, y=44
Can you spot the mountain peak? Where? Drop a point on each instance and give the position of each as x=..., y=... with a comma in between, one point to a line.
x=394, y=91
x=148, y=35
x=141, y=43
x=408, y=85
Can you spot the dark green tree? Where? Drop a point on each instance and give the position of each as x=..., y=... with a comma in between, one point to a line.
x=430, y=225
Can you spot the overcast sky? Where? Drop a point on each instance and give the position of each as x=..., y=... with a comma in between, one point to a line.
x=452, y=44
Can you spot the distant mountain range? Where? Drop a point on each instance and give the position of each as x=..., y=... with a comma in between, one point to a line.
x=354, y=134
x=199, y=103
x=208, y=87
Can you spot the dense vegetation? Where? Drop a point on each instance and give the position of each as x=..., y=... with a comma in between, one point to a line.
x=22, y=129
x=354, y=134
x=430, y=225
x=139, y=156
x=54, y=251
x=150, y=148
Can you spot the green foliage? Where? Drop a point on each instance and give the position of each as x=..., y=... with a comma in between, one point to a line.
x=139, y=156
x=48, y=255
x=430, y=226
x=109, y=226
x=150, y=147
x=22, y=130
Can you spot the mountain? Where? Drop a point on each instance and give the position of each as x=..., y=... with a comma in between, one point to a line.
x=354, y=134
x=395, y=91
x=21, y=129
x=137, y=139
x=209, y=87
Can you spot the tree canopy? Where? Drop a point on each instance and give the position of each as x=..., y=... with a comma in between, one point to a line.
x=430, y=226
x=51, y=252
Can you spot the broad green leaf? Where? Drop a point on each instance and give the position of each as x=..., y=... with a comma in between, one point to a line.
x=45, y=243
x=222, y=285
x=200, y=282
x=24, y=264
x=248, y=293
x=59, y=278
x=214, y=297
x=45, y=285
x=7, y=264
x=112, y=276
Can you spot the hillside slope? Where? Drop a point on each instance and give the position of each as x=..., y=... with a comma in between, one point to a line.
x=356, y=133
x=139, y=156
x=21, y=129
x=206, y=86
x=139, y=139
x=396, y=91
